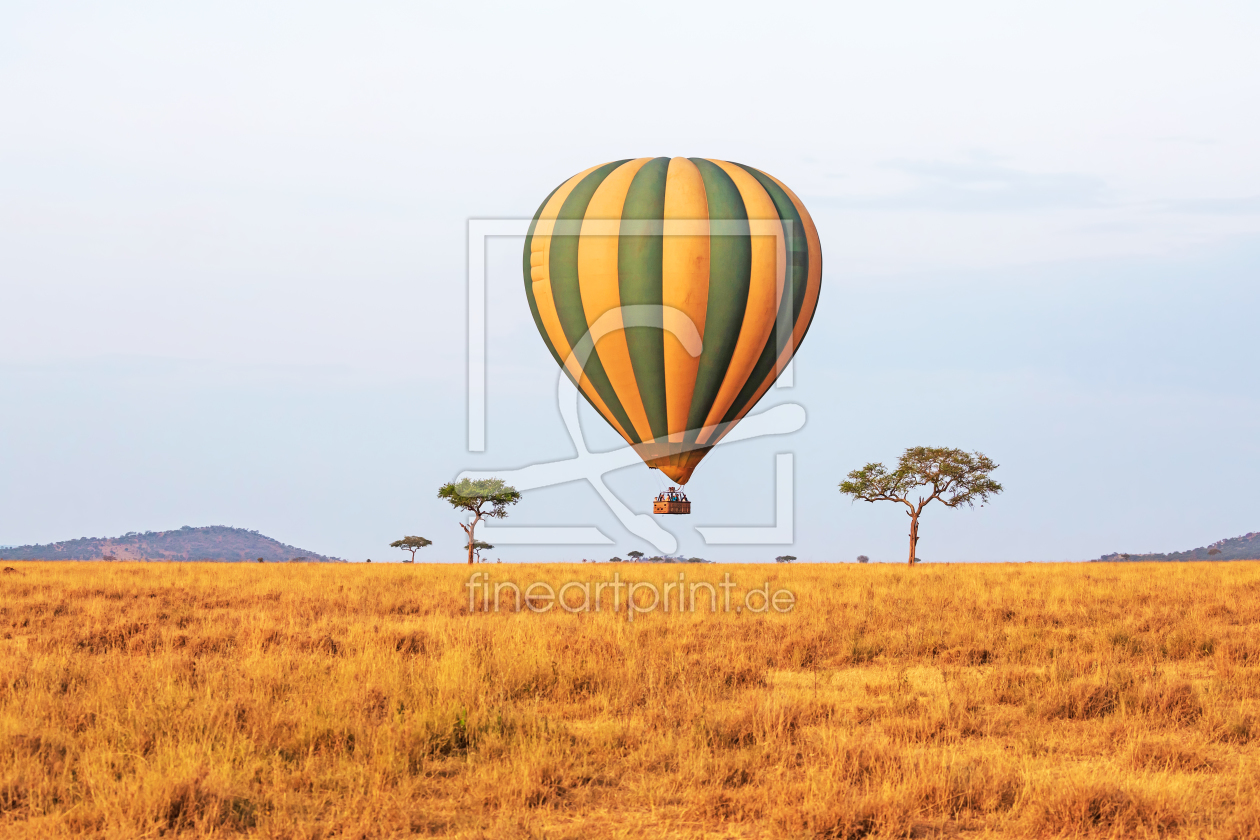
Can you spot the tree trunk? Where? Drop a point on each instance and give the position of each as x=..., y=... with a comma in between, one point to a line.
x=468, y=529
x=914, y=534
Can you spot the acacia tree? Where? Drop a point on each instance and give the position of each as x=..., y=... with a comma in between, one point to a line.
x=785, y=558
x=478, y=547
x=488, y=498
x=412, y=544
x=950, y=476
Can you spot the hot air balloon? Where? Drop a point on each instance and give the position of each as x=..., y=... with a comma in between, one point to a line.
x=672, y=292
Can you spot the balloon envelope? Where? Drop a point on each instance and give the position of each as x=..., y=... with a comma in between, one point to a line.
x=672, y=291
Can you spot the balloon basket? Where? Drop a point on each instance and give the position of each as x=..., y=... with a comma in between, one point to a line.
x=672, y=501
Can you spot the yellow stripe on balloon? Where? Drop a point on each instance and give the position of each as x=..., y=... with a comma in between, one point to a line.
x=765, y=288
x=539, y=262
x=684, y=284
x=598, y=283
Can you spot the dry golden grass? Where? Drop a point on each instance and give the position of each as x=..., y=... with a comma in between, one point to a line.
x=319, y=701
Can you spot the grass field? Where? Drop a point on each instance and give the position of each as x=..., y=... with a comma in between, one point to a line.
x=320, y=701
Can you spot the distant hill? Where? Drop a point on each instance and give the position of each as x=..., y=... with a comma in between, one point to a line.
x=215, y=543
x=1246, y=547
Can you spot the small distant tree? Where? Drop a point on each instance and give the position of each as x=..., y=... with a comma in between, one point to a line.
x=412, y=544
x=862, y=558
x=260, y=560
x=615, y=560
x=488, y=498
x=635, y=556
x=951, y=476
x=784, y=558
x=478, y=547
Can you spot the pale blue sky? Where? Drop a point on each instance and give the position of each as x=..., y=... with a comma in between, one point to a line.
x=232, y=260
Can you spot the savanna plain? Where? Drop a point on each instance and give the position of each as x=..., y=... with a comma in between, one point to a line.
x=365, y=701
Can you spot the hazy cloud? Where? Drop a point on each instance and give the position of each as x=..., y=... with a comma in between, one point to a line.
x=978, y=185
x=1221, y=206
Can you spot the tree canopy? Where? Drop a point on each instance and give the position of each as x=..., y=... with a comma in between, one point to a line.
x=488, y=497
x=412, y=544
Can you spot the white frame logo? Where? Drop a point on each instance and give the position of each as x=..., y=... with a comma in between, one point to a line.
x=590, y=466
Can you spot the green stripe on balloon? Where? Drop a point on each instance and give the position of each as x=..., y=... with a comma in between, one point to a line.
x=563, y=268
x=529, y=280
x=730, y=272
x=812, y=260
x=639, y=273
x=790, y=306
